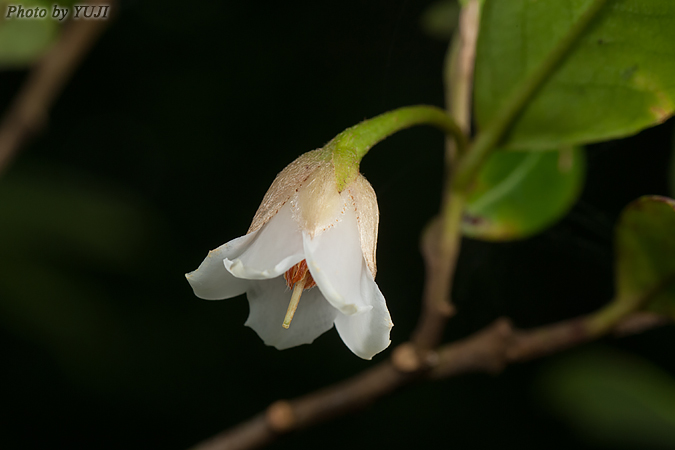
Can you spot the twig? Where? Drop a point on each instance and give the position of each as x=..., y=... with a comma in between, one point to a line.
x=442, y=240
x=639, y=322
x=459, y=66
x=436, y=305
x=27, y=114
x=530, y=344
x=484, y=351
x=285, y=416
x=489, y=350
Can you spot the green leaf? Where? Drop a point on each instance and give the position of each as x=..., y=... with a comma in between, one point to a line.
x=612, y=398
x=518, y=194
x=645, y=247
x=671, y=171
x=24, y=41
x=616, y=79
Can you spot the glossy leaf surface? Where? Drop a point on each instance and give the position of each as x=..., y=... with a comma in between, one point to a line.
x=518, y=194
x=616, y=78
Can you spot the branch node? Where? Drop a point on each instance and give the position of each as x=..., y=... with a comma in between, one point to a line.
x=504, y=327
x=431, y=359
x=406, y=358
x=280, y=416
x=445, y=308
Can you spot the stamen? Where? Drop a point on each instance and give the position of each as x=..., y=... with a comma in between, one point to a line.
x=297, y=273
x=295, y=300
x=299, y=278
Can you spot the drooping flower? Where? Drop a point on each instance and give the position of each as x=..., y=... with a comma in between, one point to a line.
x=307, y=262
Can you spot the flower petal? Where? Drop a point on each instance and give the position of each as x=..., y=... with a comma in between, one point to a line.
x=335, y=260
x=268, y=301
x=368, y=217
x=211, y=281
x=277, y=248
x=367, y=334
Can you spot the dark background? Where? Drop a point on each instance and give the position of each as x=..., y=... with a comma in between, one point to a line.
x=161, y=148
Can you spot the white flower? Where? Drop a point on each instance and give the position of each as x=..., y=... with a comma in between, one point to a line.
x=311, y=243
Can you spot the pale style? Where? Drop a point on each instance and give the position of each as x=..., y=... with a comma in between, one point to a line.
x=312, y=248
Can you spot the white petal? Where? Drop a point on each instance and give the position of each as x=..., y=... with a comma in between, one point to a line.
x=211, y=281
x=367, y=333
x=268, y=301
x=335, y=260
x=277, y=248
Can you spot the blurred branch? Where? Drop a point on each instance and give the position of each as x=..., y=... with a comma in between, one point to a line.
x=639, y=322
x=458, y=68
x=27, y=114
x=440, y=247
x=284, y=416
x=489, y=351
x=441, y=242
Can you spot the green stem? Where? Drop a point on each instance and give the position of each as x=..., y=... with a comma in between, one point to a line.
x=352, y=144
x=495, y=132
x=602, y=321
x=606, y=318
